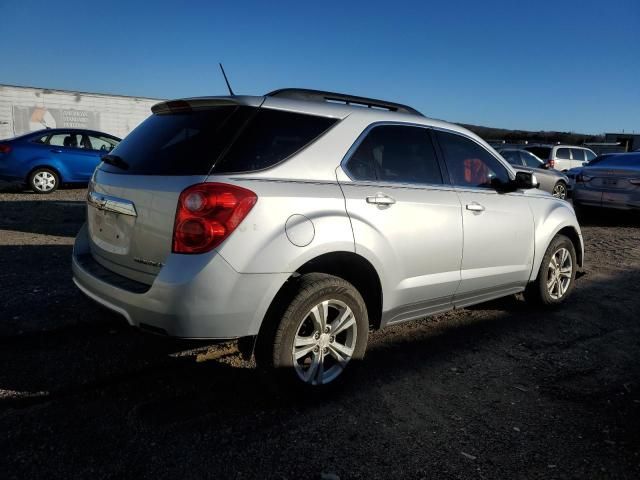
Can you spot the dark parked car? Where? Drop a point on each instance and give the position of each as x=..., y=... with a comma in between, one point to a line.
x=613, y=182
x=550, y=180
x=46, y=158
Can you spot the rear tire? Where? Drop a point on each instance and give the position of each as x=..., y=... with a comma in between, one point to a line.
x=557, y=274
x=321, y=331
x=44, y=180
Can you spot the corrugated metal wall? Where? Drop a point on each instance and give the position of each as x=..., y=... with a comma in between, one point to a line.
x=24, y=109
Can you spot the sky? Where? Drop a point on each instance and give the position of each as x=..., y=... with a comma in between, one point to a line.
x=536, y=65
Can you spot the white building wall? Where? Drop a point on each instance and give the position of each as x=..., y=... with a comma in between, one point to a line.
x=24, y=109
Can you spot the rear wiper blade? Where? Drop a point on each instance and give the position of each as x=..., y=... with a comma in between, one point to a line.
x=116, y=161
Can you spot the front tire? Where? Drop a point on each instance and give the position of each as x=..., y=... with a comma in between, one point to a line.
x=560, y=190
x=44, y=180
x=557, y=274
x=323, y=330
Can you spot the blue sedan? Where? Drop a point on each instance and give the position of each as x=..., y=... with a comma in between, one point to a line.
x=47, y=158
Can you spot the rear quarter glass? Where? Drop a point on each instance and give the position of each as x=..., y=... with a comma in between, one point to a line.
x=226, y=139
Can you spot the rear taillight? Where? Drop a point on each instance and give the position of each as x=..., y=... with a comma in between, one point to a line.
x=552, y=163
x=207, y=214
x=5, y=148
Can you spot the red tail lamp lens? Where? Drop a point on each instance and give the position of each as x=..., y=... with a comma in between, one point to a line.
x=207, y=214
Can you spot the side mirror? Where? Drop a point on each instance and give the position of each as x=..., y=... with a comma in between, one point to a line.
x=526, y=180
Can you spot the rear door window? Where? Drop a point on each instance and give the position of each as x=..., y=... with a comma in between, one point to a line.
x=563, y=154
x=578, y=154
x=396, y=154
x=69, y=140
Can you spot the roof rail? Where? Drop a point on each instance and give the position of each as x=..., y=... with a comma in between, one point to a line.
x=331, y=97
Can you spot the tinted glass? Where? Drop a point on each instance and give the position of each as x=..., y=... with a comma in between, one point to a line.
x=578, y=154
x=530, y=160
x=469, y=164
x=271, y=137
x=540, y=152
x=511, y=156
x=185, y=143
x=622, y=160
x=589, y=155
x=396, y=153
x=563, y=154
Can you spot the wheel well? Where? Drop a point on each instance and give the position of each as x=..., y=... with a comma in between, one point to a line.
x=48, y=167
x=571, y=233
x=356, y=270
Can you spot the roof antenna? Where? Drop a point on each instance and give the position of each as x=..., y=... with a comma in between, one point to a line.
x=226, y=80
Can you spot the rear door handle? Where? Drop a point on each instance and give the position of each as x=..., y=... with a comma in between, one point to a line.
x=475, y=207
x=381, y=199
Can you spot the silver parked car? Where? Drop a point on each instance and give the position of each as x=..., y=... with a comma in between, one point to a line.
x=303, y=219
x=551, y=180
x=562, y=157
x=611, y=182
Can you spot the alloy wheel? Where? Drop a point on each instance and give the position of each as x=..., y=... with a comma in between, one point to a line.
x=559, y=273
x=560, y=191
x=324, y=343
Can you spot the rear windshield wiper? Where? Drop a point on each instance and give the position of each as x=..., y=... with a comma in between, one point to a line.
x=116, y=161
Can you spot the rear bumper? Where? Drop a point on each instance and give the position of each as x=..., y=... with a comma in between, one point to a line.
x=193, y=296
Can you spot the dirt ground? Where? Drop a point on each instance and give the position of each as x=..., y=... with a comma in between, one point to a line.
x=496, y=391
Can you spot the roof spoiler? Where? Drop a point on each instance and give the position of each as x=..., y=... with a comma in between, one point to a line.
x=190, y=104
x=332, y=97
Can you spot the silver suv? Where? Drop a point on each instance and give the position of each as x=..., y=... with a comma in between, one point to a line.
x=301, y=220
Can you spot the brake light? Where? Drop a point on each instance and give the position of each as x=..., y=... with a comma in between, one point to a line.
x=5, y=148
x=207, y=214
x=552, y=163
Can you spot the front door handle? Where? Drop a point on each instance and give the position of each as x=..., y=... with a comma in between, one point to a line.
x=475, y=207
x=55, y=150
x=381, y=199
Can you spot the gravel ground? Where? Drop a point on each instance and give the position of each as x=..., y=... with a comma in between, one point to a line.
x=495, y=391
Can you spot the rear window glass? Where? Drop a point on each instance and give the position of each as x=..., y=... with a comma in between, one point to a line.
x=621, y=160
x=238, y=138
x=540, y=152
x=270, y=137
